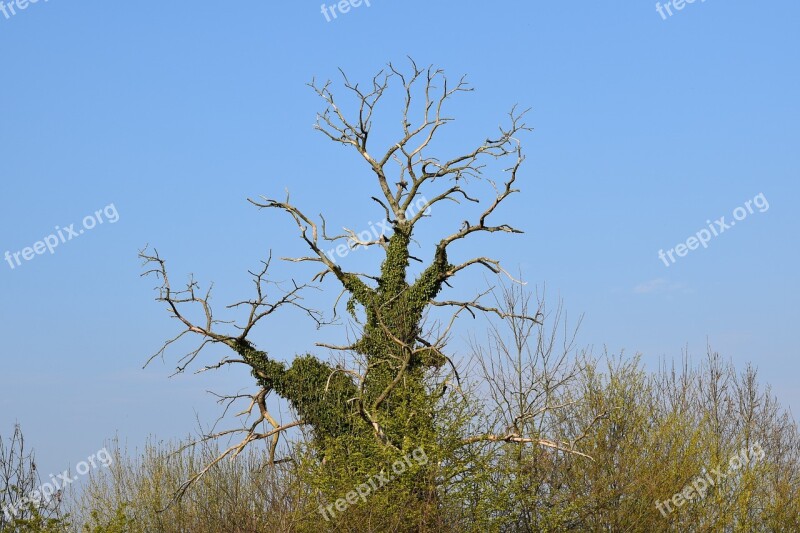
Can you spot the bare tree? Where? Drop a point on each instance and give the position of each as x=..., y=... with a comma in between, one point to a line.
x=376, y=397
x=19, y=481
x=527, y=369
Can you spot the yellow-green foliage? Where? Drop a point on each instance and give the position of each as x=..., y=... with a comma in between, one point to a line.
x=662, y=430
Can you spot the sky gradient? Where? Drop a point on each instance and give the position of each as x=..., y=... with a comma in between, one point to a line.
x=176, y=113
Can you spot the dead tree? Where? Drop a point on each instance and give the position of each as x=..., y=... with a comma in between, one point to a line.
x=20, y=501
x=382, y=400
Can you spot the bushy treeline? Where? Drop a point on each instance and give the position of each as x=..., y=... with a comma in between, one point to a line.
x=643, y=438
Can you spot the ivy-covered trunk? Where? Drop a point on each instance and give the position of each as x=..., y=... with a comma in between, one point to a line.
x=361, y=429
x=381, y=402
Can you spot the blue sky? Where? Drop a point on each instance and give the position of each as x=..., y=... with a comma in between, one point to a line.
x=177, y=112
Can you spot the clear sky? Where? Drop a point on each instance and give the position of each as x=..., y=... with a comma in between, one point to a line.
x=176, y=112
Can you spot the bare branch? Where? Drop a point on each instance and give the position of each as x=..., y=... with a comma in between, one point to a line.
x=513, y=437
